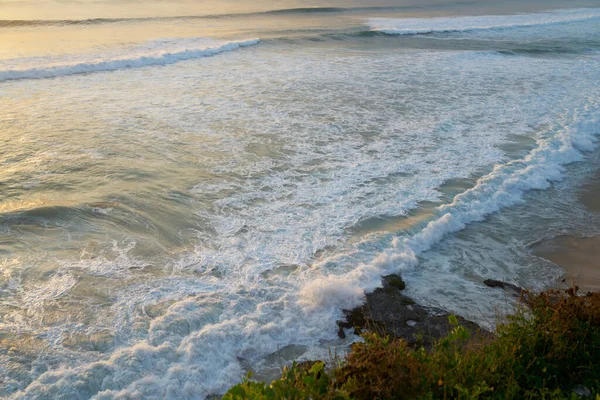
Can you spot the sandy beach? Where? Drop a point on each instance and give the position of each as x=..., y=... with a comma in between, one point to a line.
x=590, y=195
x=578, y=256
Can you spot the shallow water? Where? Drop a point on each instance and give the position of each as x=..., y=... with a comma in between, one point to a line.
x=189, y=193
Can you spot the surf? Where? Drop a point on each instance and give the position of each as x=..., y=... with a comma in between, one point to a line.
x=417, y=26
x=105, y=64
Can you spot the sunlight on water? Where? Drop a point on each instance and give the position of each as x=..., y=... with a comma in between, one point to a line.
x=182, y=198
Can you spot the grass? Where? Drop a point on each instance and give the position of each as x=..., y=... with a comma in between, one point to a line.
x=544, y=351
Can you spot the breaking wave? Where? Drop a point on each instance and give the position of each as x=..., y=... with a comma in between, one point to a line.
x=109, y=63
x=416, y=26
x=505, y=186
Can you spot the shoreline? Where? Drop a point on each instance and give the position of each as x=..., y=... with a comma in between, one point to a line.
x=578, y=256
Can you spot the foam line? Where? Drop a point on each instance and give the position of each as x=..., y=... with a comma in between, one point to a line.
x=104, y=65
x=505, y=186
x=415, y=26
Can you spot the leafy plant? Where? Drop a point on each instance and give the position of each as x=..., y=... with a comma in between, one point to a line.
x=543, y=351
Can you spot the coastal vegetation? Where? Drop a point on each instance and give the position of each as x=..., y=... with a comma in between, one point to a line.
x=548, y=349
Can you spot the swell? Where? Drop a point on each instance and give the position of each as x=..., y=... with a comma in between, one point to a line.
x=390, y=26
x=99, y=21
x=540, y=48
x=122, y=63
x=61, y=215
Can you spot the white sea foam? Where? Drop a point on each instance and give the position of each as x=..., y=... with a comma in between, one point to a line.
x=143, y=56
x=196, y=346
x=503, y=187
x=57, y=286
x=260, y=276
x=413, y=26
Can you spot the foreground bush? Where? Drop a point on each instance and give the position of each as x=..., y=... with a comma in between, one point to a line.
x=546, y=351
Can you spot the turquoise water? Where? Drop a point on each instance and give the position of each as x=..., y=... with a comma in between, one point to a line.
x=190, y=192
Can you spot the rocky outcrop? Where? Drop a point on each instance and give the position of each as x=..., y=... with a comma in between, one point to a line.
x=509, y=287
x=387, y=311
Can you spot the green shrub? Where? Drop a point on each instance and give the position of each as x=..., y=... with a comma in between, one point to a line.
x=296, y=383
x=555, y=344
x=380, y=369
x=541, y=352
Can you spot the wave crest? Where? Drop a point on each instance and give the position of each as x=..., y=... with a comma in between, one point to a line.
x=118, y=63
x=505, y=186
x=416, y=26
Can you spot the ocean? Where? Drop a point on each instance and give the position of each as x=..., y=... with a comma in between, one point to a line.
x=190, y=191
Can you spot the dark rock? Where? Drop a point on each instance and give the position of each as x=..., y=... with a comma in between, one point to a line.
x=582, y=391
x=354, y=319
x=394, y=281
x=509, y=287
x=287, y=353
x=389, y=312
x=341, y=333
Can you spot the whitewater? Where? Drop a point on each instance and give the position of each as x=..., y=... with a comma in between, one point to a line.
x=190, y=197
x=114, y=62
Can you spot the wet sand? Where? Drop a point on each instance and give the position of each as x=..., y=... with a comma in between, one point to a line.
x=578, y=256
x=590, y=195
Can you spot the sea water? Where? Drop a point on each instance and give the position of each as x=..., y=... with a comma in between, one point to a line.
x=193, y=191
